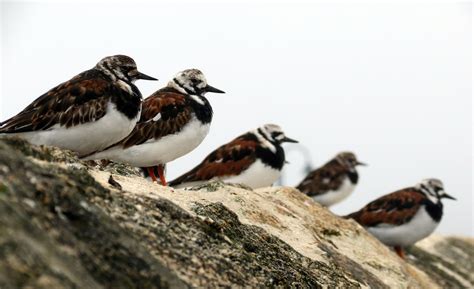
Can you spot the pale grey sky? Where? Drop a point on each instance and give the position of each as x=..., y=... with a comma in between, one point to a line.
x=391, y=82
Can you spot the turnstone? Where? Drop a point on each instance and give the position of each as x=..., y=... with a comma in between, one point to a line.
x=402, y=218
x=332, y=182
x=173, y=122
x=91, y=111
x=254, y=159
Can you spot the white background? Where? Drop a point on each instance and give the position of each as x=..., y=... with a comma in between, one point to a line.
x=391, y=82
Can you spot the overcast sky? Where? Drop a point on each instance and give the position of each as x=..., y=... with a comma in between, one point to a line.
x=391, y=82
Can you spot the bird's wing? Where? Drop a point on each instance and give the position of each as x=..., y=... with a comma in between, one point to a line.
x=322, y=180
x=228, y=160
x=163, y=113
x=82, y=99
x=393, y=209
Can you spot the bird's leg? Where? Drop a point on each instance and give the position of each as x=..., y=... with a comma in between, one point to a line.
x=161, y=174
x=151, y=172
x=400, y=252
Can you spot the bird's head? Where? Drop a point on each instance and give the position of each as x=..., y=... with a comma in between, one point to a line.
x=274, y=133
x=193, y=82
x=121, y=67
x=433, y=189
x=349, y=160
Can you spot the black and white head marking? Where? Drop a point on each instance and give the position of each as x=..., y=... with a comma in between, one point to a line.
x=433, y=189
x=271, y=135
x=189, y=81
x=117, y=67
x=194, y=83
x=121, y=67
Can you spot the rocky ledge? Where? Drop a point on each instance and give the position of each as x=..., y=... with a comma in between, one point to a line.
x=66, y=224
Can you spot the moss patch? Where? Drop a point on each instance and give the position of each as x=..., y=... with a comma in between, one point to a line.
x=330, y=232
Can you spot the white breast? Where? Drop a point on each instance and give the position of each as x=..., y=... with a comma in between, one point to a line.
x=419, y=227
x=161, y=151
x=333, y=197
x=258, y=175
x=88, y=137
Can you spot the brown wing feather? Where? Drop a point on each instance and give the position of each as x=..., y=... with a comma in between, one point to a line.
x=395, y=209
x=316, y=182
x=174, y=112
x=81, y=99
x=229, y=159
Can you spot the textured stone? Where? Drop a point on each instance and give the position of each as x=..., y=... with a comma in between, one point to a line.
x=63, y=225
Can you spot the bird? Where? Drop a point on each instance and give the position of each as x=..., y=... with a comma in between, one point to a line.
x=334, y=181
x=255, y=159
x=89, y=112
x=174, y=121
x=404, y=217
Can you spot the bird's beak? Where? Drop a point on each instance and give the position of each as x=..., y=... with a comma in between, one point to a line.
x=209, y=88
x=361, y=164
x=144, y=76
x=448, y=197
x=287, y=139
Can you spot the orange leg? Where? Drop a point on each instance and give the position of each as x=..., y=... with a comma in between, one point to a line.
x=400, y=252
x=151, y=172
x=161, y=174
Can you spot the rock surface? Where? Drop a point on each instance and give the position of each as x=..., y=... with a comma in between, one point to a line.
x=64, y=224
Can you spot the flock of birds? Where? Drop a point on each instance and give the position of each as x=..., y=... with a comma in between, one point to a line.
x=99, y=114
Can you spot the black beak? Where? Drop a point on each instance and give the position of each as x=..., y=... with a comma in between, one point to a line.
x=209, y=88
x=287, y=139
x=361, y=164
x=448, y=197
x=144, y=76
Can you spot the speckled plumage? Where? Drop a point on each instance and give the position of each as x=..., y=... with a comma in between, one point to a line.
x=261, y=147
x=332, y=182
x=406, y=216
x=174, y=121
x=82, y=104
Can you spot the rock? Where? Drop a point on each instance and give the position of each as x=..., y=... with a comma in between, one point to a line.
x=449, y=261
x=63, y=225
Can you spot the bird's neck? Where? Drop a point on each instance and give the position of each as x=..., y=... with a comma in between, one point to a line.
x=342, y=168
x=202, y=108
x=128, y=99
x=435, y=210
x=269, y=152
